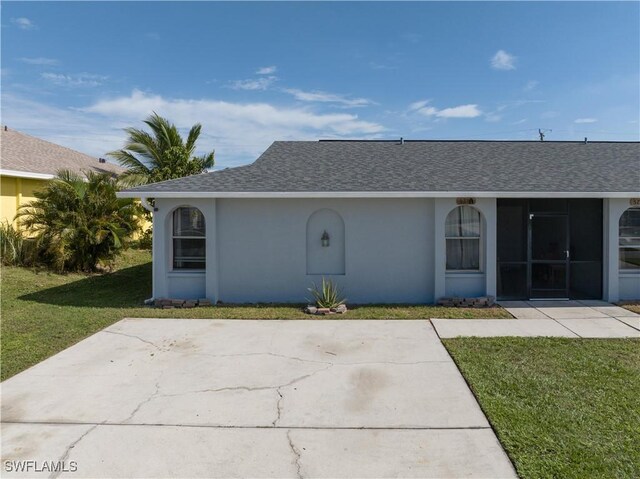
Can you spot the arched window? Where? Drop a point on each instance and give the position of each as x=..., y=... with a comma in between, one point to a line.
x=462, y=232
x=629, y=237
x=325, y=243
x=188, y=235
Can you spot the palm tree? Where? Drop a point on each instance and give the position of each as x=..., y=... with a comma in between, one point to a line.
x=162, y=154
x=78, y=223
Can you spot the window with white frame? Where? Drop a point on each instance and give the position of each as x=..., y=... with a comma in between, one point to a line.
x=462, y=233
x=629, y=240
x=188, y=239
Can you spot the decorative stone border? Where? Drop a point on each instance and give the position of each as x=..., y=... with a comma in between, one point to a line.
x=311, y=309
x=459, y=302
x=166, y=303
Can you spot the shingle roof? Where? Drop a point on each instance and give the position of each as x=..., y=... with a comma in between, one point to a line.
x=425, y=166
x=25, y=153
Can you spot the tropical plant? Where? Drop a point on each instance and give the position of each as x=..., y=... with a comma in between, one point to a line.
x=15, y=249
x=78, y=224
x=328, y=295
x=162, y=154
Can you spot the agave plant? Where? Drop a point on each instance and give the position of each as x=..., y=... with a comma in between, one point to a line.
x=78, y=224
x=328, y=295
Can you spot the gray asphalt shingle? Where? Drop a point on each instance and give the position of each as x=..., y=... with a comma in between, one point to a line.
x=377, y=166
x=26, y=153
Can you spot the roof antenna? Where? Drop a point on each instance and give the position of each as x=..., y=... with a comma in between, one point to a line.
x=541, y=132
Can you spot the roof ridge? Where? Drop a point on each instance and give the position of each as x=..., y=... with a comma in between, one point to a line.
x=398, y=140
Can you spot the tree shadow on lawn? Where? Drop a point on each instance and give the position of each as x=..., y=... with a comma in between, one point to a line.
x=125, y=288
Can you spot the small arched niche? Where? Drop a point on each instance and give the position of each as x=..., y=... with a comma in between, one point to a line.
x=325, y=243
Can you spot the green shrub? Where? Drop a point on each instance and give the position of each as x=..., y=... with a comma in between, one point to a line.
x=78, y=224
x=15, y=249
x=328, y=295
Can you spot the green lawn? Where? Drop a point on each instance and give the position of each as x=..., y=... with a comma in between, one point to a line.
x=43, y=312
x=565, y=408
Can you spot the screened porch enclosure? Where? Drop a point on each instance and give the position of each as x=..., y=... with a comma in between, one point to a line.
x=549, y=248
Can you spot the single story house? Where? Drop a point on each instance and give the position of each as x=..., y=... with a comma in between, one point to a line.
x=404, y=222
x=27, y=163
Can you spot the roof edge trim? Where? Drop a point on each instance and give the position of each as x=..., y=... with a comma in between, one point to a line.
x=26, y=174
x=377, y=194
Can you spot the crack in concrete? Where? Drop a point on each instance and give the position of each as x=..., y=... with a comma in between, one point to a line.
x=257, y=388
x=278, y=408
x=142, y=403
x=296, y=454
x=277, y=387
x=134, y=337
x=65, y=456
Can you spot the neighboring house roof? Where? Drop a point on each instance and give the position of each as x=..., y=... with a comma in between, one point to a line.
x=31, y=157
x=393, y=168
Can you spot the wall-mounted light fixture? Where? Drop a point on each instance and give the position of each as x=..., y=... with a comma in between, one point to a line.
x=325, y=239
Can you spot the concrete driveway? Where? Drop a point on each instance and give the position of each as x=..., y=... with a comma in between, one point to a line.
x=221, y=398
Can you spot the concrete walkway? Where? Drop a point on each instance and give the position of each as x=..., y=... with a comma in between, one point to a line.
x=220, y=398
x=569, y=319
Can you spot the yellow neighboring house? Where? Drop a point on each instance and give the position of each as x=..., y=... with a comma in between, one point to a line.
x=26, y=163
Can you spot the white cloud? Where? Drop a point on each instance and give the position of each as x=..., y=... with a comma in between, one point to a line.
x=254, y=83
x=80, y=79
x=531, y=85
x=325, y=97
x=503, y=61
x=89, y=134
x=585, y=120
x=417, y=105
x=267, y=70
x=24, y=23
x=39, y=61
x=460, y=111
x=519, y=122
x=238, y=132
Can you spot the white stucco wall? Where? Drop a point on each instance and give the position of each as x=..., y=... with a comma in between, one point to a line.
x=394, y=250
x=257, y=250
x=388, y=249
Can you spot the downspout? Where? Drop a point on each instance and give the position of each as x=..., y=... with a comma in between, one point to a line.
x=144, y=201
x=146, y=205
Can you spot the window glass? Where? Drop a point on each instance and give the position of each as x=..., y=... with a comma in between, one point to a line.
x=188, y=239
x=188, y=221
x=629, y=234
x=464, y=221
x=462, y=232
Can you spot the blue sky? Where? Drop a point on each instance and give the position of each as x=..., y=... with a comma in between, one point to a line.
x=251, y=73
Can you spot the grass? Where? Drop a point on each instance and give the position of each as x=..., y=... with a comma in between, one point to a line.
x=561, y=407
x=44, y=312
